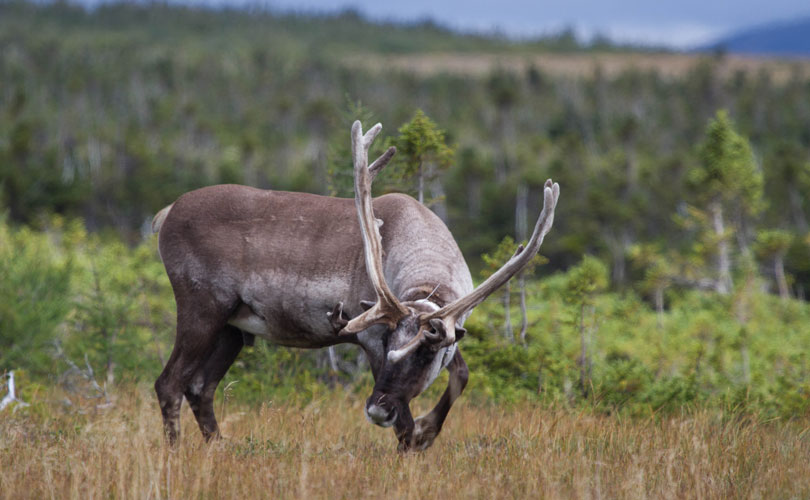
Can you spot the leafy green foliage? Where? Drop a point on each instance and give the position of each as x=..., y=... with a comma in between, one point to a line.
x=586, y=280
x=68, y=293
x=771, y=242
x=727, y=171
x=502, y=253
x=34, y=299
x=422, y=152
x=696, y=359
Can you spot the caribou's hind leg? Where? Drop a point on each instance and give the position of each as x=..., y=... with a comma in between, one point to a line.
x=200, y=393
x=200, y=319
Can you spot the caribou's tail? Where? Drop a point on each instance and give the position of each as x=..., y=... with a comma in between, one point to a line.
x=157, y=222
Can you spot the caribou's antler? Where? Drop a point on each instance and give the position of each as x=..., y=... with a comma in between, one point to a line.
x=440, y=326
x=387, y=310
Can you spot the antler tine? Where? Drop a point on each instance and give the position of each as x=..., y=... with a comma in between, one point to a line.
x=381, y=162
x=369, y=136
x=451, y=312
x=387, y=309
x=396, y=355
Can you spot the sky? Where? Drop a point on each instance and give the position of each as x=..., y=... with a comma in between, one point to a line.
x=681, y=24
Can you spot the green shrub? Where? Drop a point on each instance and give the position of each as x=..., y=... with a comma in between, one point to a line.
x=34, y=300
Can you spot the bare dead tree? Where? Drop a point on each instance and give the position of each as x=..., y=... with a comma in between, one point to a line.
x=11, y=395
x=82, y=381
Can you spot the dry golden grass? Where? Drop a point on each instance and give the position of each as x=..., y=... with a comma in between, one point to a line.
x=327, y=450
x=580, y=64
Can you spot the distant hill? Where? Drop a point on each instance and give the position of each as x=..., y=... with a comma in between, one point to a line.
x=780, y=38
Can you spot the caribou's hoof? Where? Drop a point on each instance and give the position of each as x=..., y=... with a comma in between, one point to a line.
x=422, y=437
x=405, y=441
x=424, y=433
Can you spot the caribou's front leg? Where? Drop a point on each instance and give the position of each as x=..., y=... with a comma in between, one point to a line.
x=403, y=428
x=427, y=427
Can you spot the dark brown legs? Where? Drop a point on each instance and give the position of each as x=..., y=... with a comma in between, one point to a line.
x=204, y=349
x=403, y=428
x=200, y=393
x=427, y=427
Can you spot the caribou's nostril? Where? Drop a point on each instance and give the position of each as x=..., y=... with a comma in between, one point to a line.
x=379, y=415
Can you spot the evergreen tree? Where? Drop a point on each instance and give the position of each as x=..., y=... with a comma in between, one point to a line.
x=422, y=151
x=584, y=282
x=727, y=183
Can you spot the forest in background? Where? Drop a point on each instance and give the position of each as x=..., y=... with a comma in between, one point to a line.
x=676, y=273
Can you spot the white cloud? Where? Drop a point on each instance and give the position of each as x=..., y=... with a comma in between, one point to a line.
x=680, y=36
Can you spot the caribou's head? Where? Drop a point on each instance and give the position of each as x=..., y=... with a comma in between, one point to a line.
x=419, y=337
x=416, y=350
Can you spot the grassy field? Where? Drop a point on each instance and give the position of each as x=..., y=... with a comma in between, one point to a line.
x=326, y=449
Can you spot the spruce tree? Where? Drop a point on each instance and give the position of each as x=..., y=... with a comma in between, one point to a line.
x=726, y=183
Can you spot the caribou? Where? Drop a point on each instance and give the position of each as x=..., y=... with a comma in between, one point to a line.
x=298, y=270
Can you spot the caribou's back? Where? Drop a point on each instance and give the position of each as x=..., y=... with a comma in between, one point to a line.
x=290, y=257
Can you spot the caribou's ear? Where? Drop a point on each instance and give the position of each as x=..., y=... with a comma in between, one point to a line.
x=367, y=304
x=337, y=318
x=438, y=327
x=436, y=333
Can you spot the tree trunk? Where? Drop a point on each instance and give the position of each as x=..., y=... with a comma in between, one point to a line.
x=110, y=360
x=507, y=318
x=743, y=231
x=583, y=354
x=779, y=270
x=524, y=317
x=421, y=184
x=110, y=372
x=333, y=365
x=723, y=284
x=108, y=333
x=659, y=306
x=540, y=387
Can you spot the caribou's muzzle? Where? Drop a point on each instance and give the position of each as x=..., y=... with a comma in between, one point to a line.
x=381, y=415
